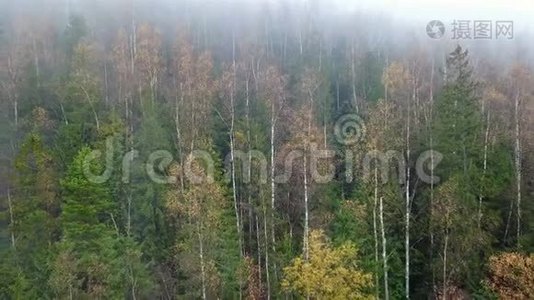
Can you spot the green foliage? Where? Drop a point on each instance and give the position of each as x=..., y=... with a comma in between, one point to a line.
x=457, y=126
x=88, y=234
x=76, y=30
x=35, y=211
x=94, y=259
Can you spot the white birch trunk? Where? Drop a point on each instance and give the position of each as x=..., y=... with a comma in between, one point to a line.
x=306, y=216
x=201, y=256
x=232, y=156
x=133, y=50
x=179, y=135
x=16, y=110
x=97, y=121
x=272, y=176
x=375, y=233
x=232, y=162
x=300, y=42
x=258, y=245
x=337, y=94
x=249, y=171
x=353, y=73
x=36, y=63
x=485, y=166
x=13, y=87
x=11, y=218
x=384, y=250
x=407, y=199
x=432, y=169
x=445, y=248
x=106, y=85
x=267, y=275
x=518, y=166
x=306, y=196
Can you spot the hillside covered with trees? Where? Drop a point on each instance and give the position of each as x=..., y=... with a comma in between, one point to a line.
x=263, y=150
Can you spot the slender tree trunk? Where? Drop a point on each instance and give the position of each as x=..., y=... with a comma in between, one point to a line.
x=114, y=224
x=106, y=88
x=306, y=225
x=130, y=139
x=508, y=220
x=407, y=240
x=36, y=63
x=97, y=121
x=129, y=216
x=386, y=84
x=133, y=292
x=232, y=158
x=306, y=195
x=232, y=150
x=273, y=186
x=16, y=110
x=375, y=233
x=353, y=73
x=445, y=249
x=179, y=134
x=431, y=117
x=13, y=87
x=63, y=113
x=284, y=57
x=300, y=42
x=133, y=50
x=258, y=245
x=485, y=166
x=407, y=200
x=11, y=218
x=249, y=171
x=133, y=282
x=518, y=167
x=266, y=237
x=324, y=131
x=201, y=256
x=384, y=250
x=337, y=94
x=320, y=54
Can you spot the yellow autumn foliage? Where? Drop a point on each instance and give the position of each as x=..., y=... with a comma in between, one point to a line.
x=330, y=273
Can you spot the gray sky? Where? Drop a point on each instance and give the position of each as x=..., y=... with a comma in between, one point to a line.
x=520, y=11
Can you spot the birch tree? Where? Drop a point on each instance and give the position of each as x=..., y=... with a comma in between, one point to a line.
x=400, y=80
x=16, y=59
x=201, y=206
x=520, y=80
x=271, y=90
x=229, y=93
x=148, y=59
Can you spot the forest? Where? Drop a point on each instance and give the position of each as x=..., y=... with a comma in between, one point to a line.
x=260, y=150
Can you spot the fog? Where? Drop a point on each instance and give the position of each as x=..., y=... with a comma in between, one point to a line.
x=394, y=23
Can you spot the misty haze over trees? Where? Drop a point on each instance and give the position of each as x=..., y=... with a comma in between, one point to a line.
x=261, y=150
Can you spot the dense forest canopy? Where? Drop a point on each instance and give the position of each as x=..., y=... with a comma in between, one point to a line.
x=264, y=150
